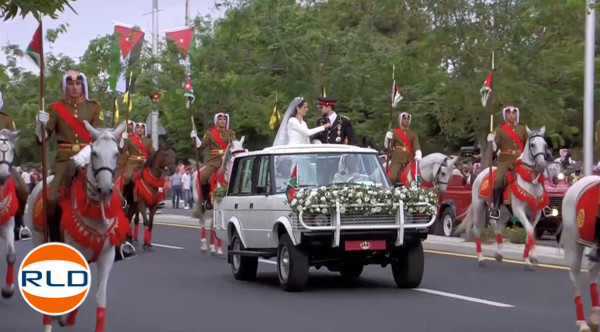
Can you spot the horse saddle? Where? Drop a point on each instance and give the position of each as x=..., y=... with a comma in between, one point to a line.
x=403, y=178
x=587, y=207
x=484, y=189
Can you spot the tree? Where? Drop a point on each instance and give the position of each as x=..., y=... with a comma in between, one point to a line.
x=11, y=8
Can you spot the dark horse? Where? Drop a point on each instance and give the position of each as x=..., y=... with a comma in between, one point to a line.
x=148, y=189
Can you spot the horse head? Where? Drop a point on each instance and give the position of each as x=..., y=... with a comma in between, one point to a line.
x=163, y=160
x=8, y=143
x=104, y=154
x=234, y=148
x=437, y=168
x=534, y=154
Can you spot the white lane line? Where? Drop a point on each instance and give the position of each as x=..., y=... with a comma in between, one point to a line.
x=465, y=298
x=167, y=246
x=262, y=260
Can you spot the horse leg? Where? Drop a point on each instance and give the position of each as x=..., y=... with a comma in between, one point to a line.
x=7, y=233
x=519, y=211
x=574, y=255
x=498, y=226
x=594, y=321
x=152, y=211
x=147, y=234
x=47, y=321
x=477, y=212
x=105, y=264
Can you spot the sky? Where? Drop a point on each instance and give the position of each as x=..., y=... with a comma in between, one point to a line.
x=95, y=18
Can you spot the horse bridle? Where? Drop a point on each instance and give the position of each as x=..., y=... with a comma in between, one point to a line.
x=533, y=156
x=5, y=146
x=95, y=172
x=436, y=178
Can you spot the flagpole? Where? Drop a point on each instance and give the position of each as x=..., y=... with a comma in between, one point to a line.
x=124, y=163
x=491, y=145
x=43, y=139
x=389, y=147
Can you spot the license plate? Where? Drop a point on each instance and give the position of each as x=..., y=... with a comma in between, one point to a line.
x=360, y=245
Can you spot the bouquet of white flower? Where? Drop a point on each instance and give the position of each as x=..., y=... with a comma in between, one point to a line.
x=363, y=200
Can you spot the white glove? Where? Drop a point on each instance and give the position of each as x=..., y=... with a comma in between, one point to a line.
x=124, y=138
x=43, y=117
x=418, y=155
x=82, y=158
x=194, y=136
x=389, y=135
x=491, y=137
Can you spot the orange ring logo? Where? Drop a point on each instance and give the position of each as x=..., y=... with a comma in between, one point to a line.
x=580, y=218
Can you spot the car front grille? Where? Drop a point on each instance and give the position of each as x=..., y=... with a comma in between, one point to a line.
x=556, y=203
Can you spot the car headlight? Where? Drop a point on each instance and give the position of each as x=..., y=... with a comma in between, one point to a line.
x=554, y=212
x=561, y=176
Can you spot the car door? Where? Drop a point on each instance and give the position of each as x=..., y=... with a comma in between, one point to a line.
x=242, y=194
x=258, y=206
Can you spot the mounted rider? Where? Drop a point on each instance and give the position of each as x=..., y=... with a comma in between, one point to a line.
x=508, y=144
x=138, y=148
x=214, y=144
x=6, y=122
x=64, y=121
x=404, y=145
x=123, y=154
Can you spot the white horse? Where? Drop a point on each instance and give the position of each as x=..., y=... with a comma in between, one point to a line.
x=218, y=179
x=92, y=190
x=578, y=229
x=8, y=205
x=527, y=199
x=435, y=170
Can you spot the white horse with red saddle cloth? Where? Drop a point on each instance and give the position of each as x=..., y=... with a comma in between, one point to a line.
x=435, y=170
x=217, y=180
x=579, y=209
x=92, y=221
x=9, y=205
x=524, y=194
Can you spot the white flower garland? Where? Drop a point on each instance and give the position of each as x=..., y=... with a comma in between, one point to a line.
x=364, y=200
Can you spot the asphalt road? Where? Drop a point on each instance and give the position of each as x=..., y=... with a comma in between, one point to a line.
x=180, y=289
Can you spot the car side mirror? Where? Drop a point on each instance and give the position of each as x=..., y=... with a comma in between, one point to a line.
x=261, y=190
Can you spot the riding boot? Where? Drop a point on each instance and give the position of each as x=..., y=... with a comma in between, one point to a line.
x=21, y=232
x=206, y=195
x=594, y=254
x=123, y=251
x=495, y=211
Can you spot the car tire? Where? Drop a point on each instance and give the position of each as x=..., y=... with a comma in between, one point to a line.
x=292, y=265
x=351, y=271
x=446, y=223
x=242, y=267
x=408, y=266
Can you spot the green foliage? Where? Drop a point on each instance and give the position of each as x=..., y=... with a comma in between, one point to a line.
x=11, y=8
x=441, y=51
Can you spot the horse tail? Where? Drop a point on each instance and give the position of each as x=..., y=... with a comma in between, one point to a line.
x=466, y=224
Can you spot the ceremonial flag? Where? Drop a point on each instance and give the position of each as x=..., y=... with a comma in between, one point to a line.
x=324, y=93
x=188, y=90
x=126, y=97
x=291, y=188
x=116, y=112
x=126, y=49
x=486, y=89
x=275, y=116
x=396, y=96
x=183, y=38
x=34, y=50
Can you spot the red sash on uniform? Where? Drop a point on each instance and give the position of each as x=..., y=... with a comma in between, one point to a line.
x=507, y=129
x=75, y=124
x=140, y=146
x=404, y=139
x=217, y=137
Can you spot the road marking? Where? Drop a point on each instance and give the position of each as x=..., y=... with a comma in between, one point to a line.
x=512, y=261
x=167, y=246
x=437, y=252
x=465, y=298
x=262, y=260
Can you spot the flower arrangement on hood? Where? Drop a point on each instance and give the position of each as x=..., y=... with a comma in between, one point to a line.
x=366, y=200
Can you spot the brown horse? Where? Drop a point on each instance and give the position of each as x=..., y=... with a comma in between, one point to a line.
x=148, y=190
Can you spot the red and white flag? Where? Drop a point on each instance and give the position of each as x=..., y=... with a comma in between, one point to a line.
x=396, y=96
x=486, y=89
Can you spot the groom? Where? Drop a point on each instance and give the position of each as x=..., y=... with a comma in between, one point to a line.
x=341, y=131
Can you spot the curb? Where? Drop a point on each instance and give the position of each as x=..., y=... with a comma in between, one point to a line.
x=452, y=245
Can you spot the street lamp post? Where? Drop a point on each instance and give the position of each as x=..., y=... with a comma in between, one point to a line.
x=588, y=107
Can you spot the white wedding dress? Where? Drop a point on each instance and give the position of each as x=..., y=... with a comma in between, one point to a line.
x=298, y=133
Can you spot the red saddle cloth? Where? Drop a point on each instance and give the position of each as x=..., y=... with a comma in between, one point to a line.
x=142, y=184
x=587, y=205
x=11, y=204
x=484, y=189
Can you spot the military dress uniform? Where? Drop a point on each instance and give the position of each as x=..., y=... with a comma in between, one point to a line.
x=214, y=144
x=6, y=122
x=404, y=143
x=137, y=149
x=123, y=153
x=509, y=144
x=341, y=131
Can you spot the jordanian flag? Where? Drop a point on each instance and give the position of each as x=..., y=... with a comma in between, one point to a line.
x=34, y=50
x=126, y=49
x=183, y=38
x=291, y=188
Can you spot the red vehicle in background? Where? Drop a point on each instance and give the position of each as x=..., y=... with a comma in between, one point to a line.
x=455, y=203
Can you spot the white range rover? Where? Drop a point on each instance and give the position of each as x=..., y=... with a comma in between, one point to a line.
x=344, y=215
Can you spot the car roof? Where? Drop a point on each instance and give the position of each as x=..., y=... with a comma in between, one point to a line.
x=308, y=148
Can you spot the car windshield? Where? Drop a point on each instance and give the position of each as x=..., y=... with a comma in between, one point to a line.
x=552, y=169
x=326, y=169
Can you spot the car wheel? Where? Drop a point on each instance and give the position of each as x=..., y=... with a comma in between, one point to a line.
x=408, y=266
x=351, y=271
x=292, y=265
x=446, y=223
x=242, y=267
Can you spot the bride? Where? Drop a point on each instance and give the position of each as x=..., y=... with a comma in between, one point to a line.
x=293, y=129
